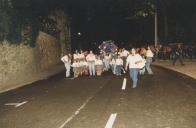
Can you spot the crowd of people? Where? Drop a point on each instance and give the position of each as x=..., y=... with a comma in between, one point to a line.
x=167, y=52
x=118, y=62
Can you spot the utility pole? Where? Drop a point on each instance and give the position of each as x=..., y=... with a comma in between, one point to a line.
x=156, y=25
x=156, y=29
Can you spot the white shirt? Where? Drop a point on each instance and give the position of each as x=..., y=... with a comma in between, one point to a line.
x=76, y=56
x=132, y=59
x=99, y=62
x=124, y=53
x=90, y=57
x=81, y=56
x=112, y=62
x=76, y=64
x=65, y=59
x=119, y=61
x=107, y=58
x=149, y=53
x=84, y=63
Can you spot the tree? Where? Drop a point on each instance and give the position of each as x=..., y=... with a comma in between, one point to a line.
x=6, y=10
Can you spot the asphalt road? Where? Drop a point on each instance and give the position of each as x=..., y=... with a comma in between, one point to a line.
x=165, y=100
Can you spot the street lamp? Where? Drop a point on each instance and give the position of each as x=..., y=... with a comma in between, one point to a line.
x=156, y=31
x=156, y=26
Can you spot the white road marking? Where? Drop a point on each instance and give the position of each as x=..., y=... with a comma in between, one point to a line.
x=17, y=104
x=111, y=120
x=76, y=112
x=124, y=83
x=70, y=78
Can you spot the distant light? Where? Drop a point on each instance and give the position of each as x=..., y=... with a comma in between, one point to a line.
x=145, y=14
x=79, y=33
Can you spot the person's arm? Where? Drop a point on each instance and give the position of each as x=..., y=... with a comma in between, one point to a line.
x=126, y=66
x=139, y=60
x=127, y=63
x=87, y=58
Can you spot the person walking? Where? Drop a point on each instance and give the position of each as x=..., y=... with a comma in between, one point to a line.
x=91, y=63
x=133, y=61
x=106, y=61
x=124, y=54
x=178, y=53
x=119, y=65
x=149, y=56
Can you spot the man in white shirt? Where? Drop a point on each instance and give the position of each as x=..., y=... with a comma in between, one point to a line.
x=66, y=59
x=91, y=63
x=149, y=56
x=133, y=61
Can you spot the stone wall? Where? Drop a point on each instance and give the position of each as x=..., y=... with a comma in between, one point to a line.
x=19, y=63
x=47, y=50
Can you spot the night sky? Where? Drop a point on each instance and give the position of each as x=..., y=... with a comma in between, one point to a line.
x=117, y=20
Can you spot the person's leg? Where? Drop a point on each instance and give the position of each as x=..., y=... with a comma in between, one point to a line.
x=68, y=70
x=180, y=59
x=132, y=75
x=118, y=72
x=90, y=69
x=107, y=65
x=148, y=63
x=93, y=69
x=135, y=77
x=114, y=69
x=120, y=67
x=174, y=60
x=142, y=71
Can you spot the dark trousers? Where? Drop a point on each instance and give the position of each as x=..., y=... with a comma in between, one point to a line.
x=178, y=58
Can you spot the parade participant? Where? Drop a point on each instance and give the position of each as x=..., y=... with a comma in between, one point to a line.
x=123, y=54
x=178, y=54
x=84, y=67
x=76, y=67
x=91, y=63
x=133, y=61
x=99, y=66
x=119, y=65
x=81, y=56
x=142, y=70
x=76, y=55
x=66, y=59
x=149, y=56
x=113, y=65
x=143, y=55
x=106, y=61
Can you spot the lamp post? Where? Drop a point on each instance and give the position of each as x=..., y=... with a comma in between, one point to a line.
x=156, y=29
x=156, y=26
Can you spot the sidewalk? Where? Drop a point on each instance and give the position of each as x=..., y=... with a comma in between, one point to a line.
x=36, y=77
x=189, y=69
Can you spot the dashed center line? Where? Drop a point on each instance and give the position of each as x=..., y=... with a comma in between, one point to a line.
x=17, y=104
x=124, y=83
x=76, y=112
x=111, y=120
